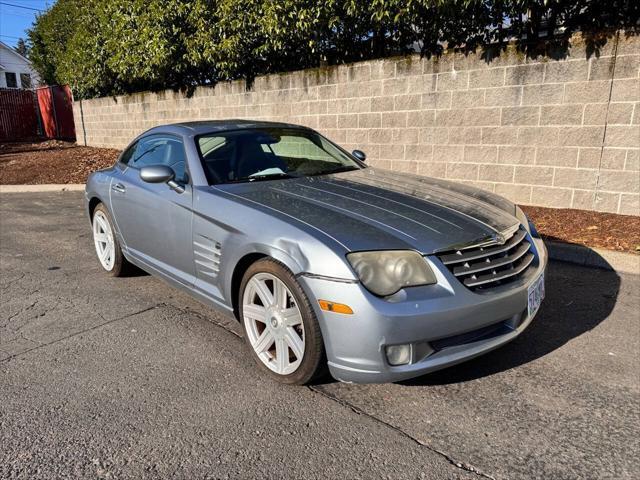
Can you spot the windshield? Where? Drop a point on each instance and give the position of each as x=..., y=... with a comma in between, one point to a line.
x=269, y=153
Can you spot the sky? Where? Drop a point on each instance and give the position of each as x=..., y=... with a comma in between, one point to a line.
x=16, y=16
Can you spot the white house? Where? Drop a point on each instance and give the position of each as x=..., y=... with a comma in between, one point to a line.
x=15, y=70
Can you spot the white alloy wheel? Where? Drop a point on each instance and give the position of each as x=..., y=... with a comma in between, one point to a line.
x=273, y=323
x=104, y=241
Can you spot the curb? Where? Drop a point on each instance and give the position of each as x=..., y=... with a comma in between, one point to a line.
x=62, y=187
x=594, y=257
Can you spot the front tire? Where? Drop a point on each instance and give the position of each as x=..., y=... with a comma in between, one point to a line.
x=280, y=326
x=106, y=242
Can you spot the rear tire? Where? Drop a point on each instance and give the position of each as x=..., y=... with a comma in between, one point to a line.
x=280, y=326
x=106, y=243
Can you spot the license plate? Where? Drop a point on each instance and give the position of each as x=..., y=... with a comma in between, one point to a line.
x=536, y=294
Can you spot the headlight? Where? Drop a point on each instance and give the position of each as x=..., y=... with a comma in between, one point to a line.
x=528, y=224
x=385, y=272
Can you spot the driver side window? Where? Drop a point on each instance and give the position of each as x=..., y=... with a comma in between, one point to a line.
x=159, y=150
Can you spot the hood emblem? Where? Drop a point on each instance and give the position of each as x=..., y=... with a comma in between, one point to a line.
x=491, y=240
x=499, y=238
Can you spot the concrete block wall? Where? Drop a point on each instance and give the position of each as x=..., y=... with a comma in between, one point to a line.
x=557, y=133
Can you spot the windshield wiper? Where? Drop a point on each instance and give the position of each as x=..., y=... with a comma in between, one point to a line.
x=266, y=176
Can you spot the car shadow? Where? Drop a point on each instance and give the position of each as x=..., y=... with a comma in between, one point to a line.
x=133, y=271
x=577, y=300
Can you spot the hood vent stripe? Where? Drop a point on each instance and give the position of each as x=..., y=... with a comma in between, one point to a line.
x=286, y=215
x=344, y=210
x=335, y=184
x=414, y=193
x=442, y=189
x=373, y=206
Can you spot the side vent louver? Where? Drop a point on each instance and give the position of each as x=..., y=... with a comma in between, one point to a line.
x=207, y=257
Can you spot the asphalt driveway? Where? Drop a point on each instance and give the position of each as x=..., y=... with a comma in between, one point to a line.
x=128, y=378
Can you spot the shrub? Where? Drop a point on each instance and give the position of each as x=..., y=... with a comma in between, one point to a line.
x=120, y=46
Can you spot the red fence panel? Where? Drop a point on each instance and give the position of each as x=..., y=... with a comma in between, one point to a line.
x=56, y=108
x=63, y=104
x=18, y=115
x=45, y=101
x=27, y=114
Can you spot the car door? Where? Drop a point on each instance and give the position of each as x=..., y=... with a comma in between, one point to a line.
x=154, y=220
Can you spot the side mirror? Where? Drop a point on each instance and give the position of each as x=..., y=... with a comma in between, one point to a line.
x=360, y=155
x=160, y=174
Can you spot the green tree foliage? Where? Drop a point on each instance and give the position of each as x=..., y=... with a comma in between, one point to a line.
x=119, y=46
x=22, y=48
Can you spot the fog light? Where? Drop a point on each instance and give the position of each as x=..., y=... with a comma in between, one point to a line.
x=399, y=354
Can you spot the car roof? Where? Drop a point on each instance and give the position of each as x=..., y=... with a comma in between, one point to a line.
x=212, y=126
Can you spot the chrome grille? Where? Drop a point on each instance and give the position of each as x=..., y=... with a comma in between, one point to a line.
x=483, y=268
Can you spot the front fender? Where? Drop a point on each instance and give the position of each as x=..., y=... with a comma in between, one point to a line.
x=243, y=230
x=285, y=252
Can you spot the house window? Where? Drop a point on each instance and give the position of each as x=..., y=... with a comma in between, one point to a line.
x=12, y=81
x=25, y=80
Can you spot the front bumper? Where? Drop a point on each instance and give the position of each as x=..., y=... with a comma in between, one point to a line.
x=459, y=323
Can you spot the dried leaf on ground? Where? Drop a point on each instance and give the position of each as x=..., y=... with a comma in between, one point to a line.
x=593, y=229
x=51, y=161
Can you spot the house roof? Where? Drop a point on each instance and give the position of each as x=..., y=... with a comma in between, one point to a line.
x=13, y=50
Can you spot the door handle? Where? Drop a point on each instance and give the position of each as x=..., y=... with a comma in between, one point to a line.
x=118, y=187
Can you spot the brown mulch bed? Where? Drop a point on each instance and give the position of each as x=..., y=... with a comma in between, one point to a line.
x=51, y=161
x=55, y=161
x=592, y=229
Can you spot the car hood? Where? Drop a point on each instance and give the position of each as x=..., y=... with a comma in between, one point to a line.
x=372, y=209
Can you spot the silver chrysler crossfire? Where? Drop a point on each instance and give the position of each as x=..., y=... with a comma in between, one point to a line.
x=326, y=262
